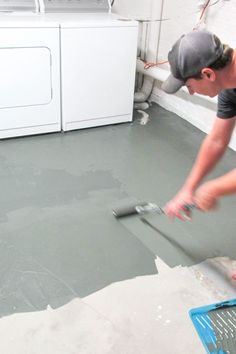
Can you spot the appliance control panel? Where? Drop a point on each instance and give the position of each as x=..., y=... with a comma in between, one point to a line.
x=18, y=5
x=76, y=5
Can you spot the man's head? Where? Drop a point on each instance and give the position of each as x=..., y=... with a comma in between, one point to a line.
x=193, y=57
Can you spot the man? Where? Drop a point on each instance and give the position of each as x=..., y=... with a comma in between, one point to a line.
x=206, y=66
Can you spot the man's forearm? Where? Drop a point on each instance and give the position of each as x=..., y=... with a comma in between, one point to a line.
x=210, y=153
x=224, y=185
x=207, y=195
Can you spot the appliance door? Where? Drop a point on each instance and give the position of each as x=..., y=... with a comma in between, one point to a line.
x=26, y=77
x=30, y=81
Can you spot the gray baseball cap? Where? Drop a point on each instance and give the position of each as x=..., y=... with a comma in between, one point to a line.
x=189, y=55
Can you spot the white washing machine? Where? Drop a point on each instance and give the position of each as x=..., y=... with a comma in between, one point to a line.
x=29, y=71
x=98, y=61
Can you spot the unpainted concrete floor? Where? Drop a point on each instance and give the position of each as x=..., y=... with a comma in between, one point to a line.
x=73, y=279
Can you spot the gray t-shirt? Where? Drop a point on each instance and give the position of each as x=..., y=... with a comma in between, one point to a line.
x=226, y=104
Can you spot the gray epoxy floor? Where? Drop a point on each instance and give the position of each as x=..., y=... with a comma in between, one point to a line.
x=76, y=280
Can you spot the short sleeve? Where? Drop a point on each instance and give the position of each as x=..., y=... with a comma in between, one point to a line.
x=226, y=104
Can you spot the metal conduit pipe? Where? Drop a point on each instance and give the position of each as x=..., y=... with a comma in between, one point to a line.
x=145, y=90
x=148, y=82
x=36, y=6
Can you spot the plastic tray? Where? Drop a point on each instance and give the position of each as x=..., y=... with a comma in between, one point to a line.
x=216, y=326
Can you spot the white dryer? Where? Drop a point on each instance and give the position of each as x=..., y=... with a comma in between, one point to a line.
x=98, y=61
x=29, y=72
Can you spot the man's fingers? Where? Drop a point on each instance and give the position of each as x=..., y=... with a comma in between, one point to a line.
x=180, y=212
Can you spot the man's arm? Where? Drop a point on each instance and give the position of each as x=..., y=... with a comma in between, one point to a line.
x=211, y=151
x=207, y=195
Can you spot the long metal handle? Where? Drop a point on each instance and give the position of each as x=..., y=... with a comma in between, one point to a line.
x=190, y=207
x=149, y=208
x=153, y=208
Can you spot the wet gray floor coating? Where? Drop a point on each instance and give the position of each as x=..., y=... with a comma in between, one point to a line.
x=58, y=238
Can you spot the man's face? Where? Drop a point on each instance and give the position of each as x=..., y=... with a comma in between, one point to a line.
x=203, y=86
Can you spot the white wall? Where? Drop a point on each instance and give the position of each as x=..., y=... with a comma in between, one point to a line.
x=179, y=16
x=134, y=8
x=149, y=10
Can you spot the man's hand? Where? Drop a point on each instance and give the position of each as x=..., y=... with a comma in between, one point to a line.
x=176, y=208
x=204, y=198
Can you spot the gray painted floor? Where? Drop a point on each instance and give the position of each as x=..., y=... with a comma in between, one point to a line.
x=73, y=279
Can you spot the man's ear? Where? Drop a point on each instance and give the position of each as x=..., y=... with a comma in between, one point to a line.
x=209, y=74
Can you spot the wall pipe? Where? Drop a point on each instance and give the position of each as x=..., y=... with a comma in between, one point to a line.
x=148, y=82
x=161, y=75
x=41, y=6
x=144, y=83
x=145, y=90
